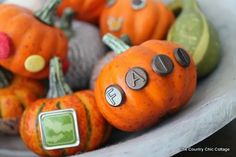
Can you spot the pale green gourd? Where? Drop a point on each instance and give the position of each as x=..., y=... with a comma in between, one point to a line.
x=196, y=34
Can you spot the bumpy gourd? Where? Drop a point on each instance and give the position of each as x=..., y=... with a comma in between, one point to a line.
x=16, y=94
x=144, y=83
x=93, y=129
x=85, y=49
x=33, y=5
x=86, y=10
x=141, y=20
x=32, y=40
x=195, y=33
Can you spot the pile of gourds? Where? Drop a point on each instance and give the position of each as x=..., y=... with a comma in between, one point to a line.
x=149, y=67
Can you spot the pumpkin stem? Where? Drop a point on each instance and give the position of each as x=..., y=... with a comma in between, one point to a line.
x=66, y=22
x=5, y=78
x=116, y=44
x=46, y=14
x=57, y=85
x=125, y=38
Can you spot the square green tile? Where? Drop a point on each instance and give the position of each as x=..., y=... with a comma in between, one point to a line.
x=59, y=129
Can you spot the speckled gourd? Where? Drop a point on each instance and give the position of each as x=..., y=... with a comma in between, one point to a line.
x=195, y=33
x=85, y=49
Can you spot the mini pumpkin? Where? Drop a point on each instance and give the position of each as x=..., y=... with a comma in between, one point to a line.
x=83, y=54
x=33, y=5
x=86, y=10
x=28, y=41
x=142, y=20
x=16, y=94
x=144, y=83
x=93, y=129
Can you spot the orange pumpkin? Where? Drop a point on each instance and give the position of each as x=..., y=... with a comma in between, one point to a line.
x=141, y=20
x=85, y=10
x=16, y=93
x=29, y=41
x=93, y=129
x=144, y=83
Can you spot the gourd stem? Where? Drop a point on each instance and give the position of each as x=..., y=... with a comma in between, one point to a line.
x=57, y=85
x=46, y=14
x=66, y=22
x=175, y=6
x=117, y=45
x=5, y=78
x=189, y=4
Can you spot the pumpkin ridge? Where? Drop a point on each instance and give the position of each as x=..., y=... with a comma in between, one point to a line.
x=58, y=44
x=5, y=8
x=58, y=105
x=107, y=131
x=40, y=109
x=89, y=131
x=21, y=44
x=22, y=104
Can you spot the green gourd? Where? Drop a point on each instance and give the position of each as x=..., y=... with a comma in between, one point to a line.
x=195, y=33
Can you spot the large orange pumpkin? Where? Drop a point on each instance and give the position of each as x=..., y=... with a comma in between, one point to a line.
x=93, y=129
x=29, y=41
x=144, y=83
x=141, y=20
x=85, y=10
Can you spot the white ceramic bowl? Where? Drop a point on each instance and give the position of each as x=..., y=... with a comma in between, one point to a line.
x=212, y=107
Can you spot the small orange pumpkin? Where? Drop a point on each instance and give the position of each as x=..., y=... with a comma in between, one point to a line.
x=141, y=20
x=28, y=41
x=144, y=83
x=15, y=96
x=93, y=129
x=85, y=10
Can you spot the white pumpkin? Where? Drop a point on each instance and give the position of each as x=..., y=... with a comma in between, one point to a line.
x=33, y=5
x=85, y=49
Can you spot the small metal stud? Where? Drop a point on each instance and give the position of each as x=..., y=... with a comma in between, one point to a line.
x=114, y=95
x=182, y=57
x=136, y=78
x=138, y=4
x=162, y=64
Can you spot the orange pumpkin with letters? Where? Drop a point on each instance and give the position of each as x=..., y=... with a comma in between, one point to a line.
x=144, y=83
